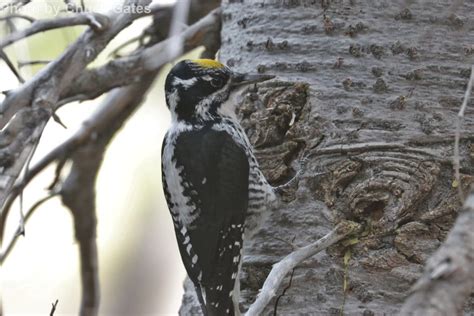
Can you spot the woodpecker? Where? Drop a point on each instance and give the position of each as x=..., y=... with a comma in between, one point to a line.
x=212, y=182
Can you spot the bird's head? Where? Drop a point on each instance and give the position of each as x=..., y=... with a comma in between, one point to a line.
x=197, y=90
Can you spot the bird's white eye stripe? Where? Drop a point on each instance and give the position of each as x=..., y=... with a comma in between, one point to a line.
x=207, y=78
x=185, y=83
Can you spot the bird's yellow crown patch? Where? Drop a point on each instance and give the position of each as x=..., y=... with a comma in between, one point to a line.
x=208, y=63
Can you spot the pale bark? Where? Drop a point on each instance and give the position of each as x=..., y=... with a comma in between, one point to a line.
x=373, y=88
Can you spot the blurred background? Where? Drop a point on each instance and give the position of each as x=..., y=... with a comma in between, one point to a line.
x=140, y=268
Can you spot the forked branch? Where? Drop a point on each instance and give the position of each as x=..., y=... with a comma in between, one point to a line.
x=101, y=119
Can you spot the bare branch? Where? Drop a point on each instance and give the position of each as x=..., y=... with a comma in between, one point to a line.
x=53, y=308
x=86, y=149
x=275, y=309
x=115, y=53
x=448, y=279
x=91, y=127
x=22, y=64
x=180, y=16
x=78, y=194
x=287, y=264
x=17, y=142
x=45, y=88
x=11, y=244
x=17, y=16
x=42, y=92
x=91, y=19
x=11, y=66
x=123, y=71
x=459, y=121
x=78, y=190
x=17, y=3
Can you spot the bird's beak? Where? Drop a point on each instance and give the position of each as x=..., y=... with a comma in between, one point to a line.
x=242, y=79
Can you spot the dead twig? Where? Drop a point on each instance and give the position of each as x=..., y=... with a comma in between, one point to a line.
x=96, y=21
x=22, y=64
x=277, y=301
x=78, y=190
x=11, y=244
x=17, y=16
x=53, y=308
x=85, y=149
x=457, y=137
x=116, y=52
x=41, y=93
x=281, y=268
x=18, y=4
x=94, y=124
x=11, y=66
x=120, y=72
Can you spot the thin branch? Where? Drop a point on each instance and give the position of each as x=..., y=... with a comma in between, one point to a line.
x=93, y=125
x=78, y=190
x=17, y=16
x=85, y=149
x=115, y=52
x=277, y=301
x=53, y=308
x=122, y=71
x=94, y=20
x=27, y=167
x=11, y=66
x=42, y=92
x=22, y=64
x=281, y=269
x=11, y=244
x=20, y=136
x=459, y=122
x=18, y=4
x=180, y=16
x=448, y=279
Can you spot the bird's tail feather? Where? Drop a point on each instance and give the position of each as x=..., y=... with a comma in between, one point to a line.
x=219, y=302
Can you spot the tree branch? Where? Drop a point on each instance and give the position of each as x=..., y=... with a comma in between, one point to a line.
x=122, y=71
x=459, y=121
x=17, y=3
x=41, y=93
x=85, y=149
x=9, y=247
x=10, y=65
x=17, y=16
x=287, y=264
x=95, y=20
x=53, y=308
x=448, y=279
x=93, y=125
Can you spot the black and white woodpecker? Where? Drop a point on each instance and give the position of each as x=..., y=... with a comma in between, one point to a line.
x=211, y=179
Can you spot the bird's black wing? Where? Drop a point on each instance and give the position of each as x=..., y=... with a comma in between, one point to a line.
x=217, y=171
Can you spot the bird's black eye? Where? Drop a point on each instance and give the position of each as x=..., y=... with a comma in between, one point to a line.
x=217, y=83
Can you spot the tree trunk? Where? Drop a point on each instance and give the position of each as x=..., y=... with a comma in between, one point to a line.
x=367, y=92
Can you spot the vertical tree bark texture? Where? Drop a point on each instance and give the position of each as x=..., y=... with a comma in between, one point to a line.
x=368, y=91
